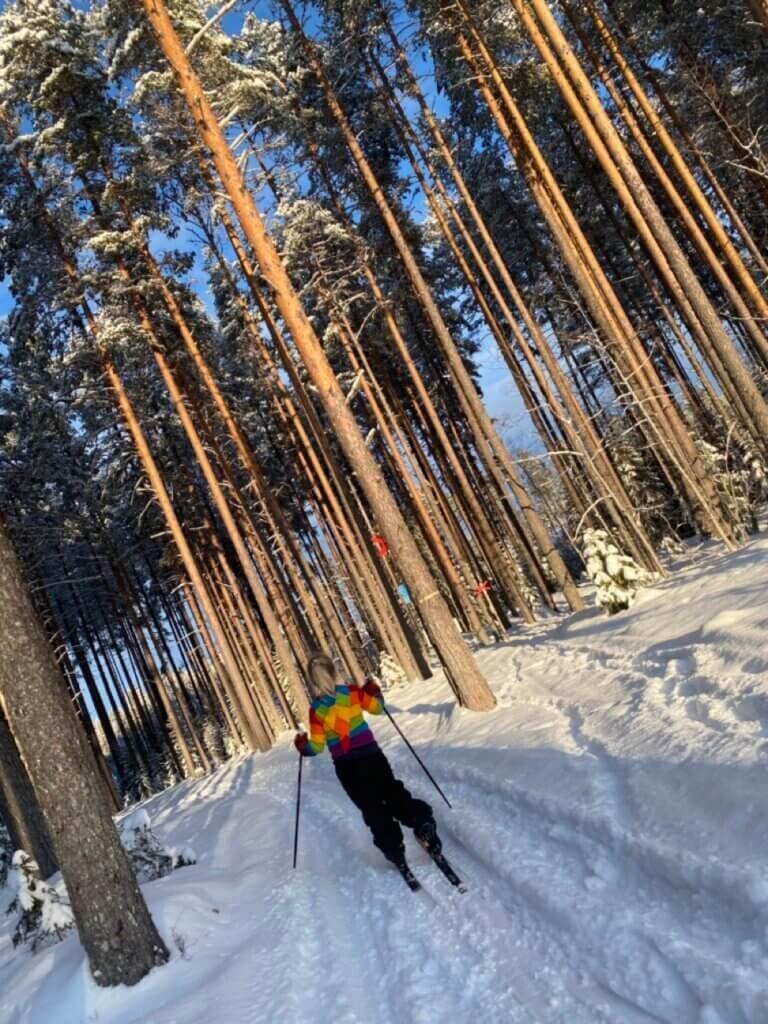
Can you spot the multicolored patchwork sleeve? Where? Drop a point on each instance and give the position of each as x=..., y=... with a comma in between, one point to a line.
x=316, y=742
x=373, y=705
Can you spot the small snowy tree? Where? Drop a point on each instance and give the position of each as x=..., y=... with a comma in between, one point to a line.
x=390, y=672
x=150, y=859
x=737, y=469
x=616, y=576
x=44, y=915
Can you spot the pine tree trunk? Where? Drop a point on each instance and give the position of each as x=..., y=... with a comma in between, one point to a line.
x=221, y=672
x=634, y=195
x=664, y=427
x=115, y=927
x=730, y=211
x=243, y=648
x=745, y=317
x=592, y=461
x=156, y=684
x=57, y=637
x=320, y=464
x=143, y=451
x=468, y=683
x=714, y=223
x=596, y=457
x=19, y=807
x=428, y=528
x=489, y=442
x=759, y=9
x=478, y=520
x=450, y=563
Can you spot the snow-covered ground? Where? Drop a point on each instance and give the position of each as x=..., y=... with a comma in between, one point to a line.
x=611, y=819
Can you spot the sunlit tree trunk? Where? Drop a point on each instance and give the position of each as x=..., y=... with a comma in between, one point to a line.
x=478, y=520
x=464, y=675
x=320, y=464
x=580, y=438
x=677, y=161
x=488, y=440
x=640, y=205
x=664, y=426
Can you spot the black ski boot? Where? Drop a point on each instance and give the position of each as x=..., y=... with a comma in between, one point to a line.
x=426, y=834
x=401, y=864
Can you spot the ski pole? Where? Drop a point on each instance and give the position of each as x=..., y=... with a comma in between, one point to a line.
x=423, y=766
x=298, y=808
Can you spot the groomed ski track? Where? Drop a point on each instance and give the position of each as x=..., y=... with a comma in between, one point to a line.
x=610, y=819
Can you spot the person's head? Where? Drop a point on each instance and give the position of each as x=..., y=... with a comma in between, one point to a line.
x=321, y=673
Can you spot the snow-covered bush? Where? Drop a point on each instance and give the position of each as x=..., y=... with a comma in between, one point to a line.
x=149, y=857
x=656, y=505
x=44, y=914
x=390, y=672
x=738, y=472
x=616, y=576
x=217, y=740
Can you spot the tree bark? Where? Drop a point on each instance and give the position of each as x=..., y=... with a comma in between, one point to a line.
x=640, y=205
x=574, y=430
x=116, y=930
x=659, y=130
x=487, y=437
x=759, y=9
x=19, y=807
x=662, y=422
x=469, y=685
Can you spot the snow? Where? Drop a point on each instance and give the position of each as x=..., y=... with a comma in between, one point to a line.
x=610, y=817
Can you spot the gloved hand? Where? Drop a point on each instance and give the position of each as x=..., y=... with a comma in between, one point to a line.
x=372, y=688
x=301, y=741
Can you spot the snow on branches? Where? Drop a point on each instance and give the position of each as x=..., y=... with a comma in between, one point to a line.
x=149, y=857
x=44, y=914
x=616, y=576
x=391, y=672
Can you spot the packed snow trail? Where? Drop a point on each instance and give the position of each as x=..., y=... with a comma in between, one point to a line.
x=610, y=819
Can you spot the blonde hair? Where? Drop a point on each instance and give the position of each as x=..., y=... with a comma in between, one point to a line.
x=321, y=674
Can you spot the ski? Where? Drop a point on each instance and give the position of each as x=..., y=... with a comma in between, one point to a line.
x=410, y=879
x=447, y=870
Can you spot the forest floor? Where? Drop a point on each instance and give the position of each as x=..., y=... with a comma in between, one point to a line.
x=610, y=818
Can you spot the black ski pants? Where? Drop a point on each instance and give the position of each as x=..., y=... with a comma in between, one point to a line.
x=384, y=801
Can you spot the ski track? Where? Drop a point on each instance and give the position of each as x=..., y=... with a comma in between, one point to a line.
x=564, y=869
x=432, y=928
x=512, y=918
x=496, y=942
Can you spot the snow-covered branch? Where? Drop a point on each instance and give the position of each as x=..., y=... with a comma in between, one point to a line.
x=210, y=24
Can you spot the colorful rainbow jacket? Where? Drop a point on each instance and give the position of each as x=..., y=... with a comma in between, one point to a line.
x=337, y=720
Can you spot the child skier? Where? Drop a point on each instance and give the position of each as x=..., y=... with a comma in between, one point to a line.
x=336, y=720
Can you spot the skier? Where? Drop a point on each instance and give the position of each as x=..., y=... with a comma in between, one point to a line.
x=336, y=720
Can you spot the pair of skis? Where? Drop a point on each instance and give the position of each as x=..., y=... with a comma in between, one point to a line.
x=442, y=863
